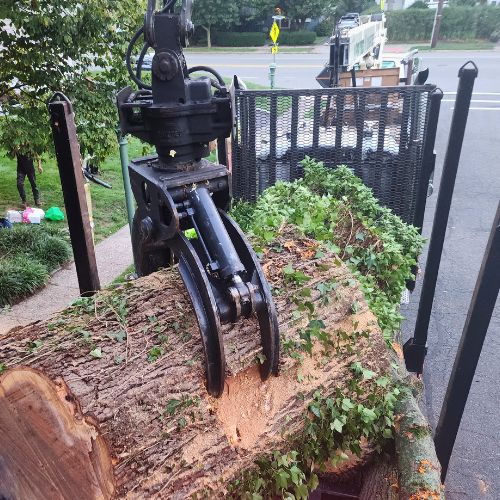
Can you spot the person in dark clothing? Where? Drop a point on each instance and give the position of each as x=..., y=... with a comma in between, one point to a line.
x=26, y=168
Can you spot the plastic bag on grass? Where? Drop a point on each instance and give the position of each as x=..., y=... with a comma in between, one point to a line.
x=54, y=213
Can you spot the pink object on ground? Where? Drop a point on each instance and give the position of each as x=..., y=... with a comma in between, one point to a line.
x=26, y=214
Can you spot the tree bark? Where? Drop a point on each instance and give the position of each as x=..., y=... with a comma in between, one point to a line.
x=419, y=468
x=208, y=29
x=114, y=386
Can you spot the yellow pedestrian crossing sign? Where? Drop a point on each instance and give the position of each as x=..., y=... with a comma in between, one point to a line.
x=274, y=49
x=275, y=32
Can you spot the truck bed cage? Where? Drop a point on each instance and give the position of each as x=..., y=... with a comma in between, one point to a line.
x=385, y=134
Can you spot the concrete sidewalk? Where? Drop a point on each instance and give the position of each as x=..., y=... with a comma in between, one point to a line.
x=113, y=255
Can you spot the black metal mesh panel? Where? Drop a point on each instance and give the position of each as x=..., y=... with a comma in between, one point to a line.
x=378, y=132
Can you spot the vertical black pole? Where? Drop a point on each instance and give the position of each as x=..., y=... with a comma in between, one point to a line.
x=469, y=350
x=416, y=348
x=429, y=156
x=273, y=119
x=75, y=201
x=316, y=120
x=294, y=166
x=222, y=151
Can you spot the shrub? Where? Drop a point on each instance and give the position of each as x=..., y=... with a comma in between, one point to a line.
x=251, y=39
x=20, y=277
x=297, y=37
x=419, y=4
x=28, y=254
x=458, y=23
x=409, y=25
x=52, y=252
x=488, y=21
x=324, y=28
x=495, y=37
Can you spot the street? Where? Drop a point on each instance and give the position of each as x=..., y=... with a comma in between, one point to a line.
x=474, y=470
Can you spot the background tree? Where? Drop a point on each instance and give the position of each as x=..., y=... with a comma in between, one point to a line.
x=296, y=10
x=345, y=6
x=210, y=13
x=73, y=46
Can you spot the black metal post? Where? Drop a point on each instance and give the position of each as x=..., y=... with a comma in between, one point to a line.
x=475, y=328
x=429, y=156
x=222, y=151
x=415, y=349
x=75, y=201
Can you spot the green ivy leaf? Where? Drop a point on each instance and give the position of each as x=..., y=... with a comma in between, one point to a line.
x=347, y=404
x=96, y=353
x=337, y=425
x=301, y=491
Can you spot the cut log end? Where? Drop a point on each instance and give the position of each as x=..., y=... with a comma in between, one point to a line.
x=47, y=433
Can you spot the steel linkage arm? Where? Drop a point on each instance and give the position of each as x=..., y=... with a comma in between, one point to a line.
x=177, y=190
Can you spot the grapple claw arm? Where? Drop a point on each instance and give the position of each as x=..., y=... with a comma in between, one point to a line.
x=178, y=190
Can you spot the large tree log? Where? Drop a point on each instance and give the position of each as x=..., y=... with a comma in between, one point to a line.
x=121, y=376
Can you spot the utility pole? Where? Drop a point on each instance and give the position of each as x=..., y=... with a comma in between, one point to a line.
x=437, y=24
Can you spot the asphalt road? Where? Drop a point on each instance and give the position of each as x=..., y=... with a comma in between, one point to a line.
x=474, y=470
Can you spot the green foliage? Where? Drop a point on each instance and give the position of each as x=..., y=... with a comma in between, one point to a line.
x=335, y=207
x=344, y=6
x=243, y=212
x=297, y=10
x=460, y=22
x=324, y=28
x=409, y=24
x=53, y=45
x=281, y=475
x=333, y=425
x=419, y=4
x=182, y=410
x=297, y=38
x=488, y=22
x=28, y=254
x=155, y=353
x=176, y=406
x=462, y=3
x=209, y=13
x=338, y=424
x=235, y=39
x=19, y=277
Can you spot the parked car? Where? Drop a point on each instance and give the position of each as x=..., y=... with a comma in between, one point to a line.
x=349, y=20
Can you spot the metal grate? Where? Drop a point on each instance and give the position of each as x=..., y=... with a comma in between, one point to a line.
x=381, y=133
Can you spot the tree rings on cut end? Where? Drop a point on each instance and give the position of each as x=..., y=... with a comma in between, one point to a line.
x=48, y=449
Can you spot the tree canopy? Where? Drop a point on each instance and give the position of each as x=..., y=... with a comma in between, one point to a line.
x=208, y=13
x=73, y=46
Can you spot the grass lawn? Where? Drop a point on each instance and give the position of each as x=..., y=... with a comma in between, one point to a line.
x=295, y=50
x=221, y=49
x=264, y=48
x=108, y=205
x=458, y=45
